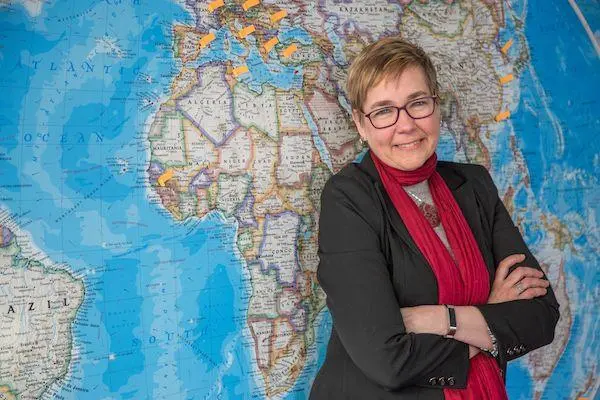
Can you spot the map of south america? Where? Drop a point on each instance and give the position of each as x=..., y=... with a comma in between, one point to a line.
x=37, y=309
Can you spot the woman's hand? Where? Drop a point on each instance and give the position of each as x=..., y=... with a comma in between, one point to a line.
x=473, y=351
x=521, y=283
x=426, y=319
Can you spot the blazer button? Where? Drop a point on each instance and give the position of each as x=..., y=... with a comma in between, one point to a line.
x=433, y=381
x=442, y=381
x=451, y=381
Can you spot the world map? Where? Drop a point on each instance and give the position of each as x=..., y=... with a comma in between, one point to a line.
x=161, y=164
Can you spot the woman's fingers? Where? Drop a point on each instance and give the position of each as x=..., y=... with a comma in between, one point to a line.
x=520, y=283
x=529, y=283
x=532, y=293
x=521, y=273
x=534, y=282
x=505, y=264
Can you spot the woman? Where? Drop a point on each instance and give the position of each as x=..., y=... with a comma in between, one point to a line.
x=430, y=285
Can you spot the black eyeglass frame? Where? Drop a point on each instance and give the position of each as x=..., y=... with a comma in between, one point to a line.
x=434, y=97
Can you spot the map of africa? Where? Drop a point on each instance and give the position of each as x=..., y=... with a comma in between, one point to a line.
x=161, y=164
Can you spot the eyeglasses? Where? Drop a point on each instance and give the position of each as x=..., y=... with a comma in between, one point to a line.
x=416, y=109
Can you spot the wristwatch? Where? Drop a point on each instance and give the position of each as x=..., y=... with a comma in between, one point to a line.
x=451, y=322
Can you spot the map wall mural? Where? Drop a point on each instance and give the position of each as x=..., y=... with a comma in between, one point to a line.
x=161, y=164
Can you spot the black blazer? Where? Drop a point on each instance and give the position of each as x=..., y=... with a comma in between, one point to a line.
x=370, y=267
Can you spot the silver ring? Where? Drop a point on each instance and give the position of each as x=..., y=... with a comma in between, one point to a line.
x=519, y=287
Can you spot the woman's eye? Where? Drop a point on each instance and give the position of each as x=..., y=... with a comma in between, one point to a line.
x=382, y=112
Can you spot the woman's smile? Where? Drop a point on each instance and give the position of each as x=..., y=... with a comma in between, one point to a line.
x=410, y=145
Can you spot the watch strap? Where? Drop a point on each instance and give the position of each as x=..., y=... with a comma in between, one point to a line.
x=451, y=321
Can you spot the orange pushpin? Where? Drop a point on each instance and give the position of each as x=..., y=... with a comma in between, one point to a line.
x=502, y=116
x=246, y=31
x=207, y=39
x=215, y=4
x=279, y=15
x=240, y=70
x=165, y=177
x=506, y=78
x=270, y=44
x=506, y=46
x=291, y=49
x=249, y=4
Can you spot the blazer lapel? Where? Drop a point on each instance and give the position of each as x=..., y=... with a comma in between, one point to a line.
x=463, y=192
x=368, y=166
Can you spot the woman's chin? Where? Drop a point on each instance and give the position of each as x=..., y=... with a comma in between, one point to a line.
x=408, y=160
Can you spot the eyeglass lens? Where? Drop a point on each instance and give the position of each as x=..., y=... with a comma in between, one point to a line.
x=416, y=109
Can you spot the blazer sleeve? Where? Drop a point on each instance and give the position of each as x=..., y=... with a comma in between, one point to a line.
x=354, y=274
x=521, y=325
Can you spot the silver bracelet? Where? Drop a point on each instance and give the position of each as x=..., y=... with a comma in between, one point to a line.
x=494, y=350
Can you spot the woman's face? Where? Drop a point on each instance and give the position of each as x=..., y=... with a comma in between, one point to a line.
x=408, y=143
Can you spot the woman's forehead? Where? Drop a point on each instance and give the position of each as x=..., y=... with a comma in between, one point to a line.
x=399, y=87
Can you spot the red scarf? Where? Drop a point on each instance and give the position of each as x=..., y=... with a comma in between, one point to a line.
x=461, y=282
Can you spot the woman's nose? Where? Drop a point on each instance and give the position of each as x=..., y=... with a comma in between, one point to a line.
x=404, y=122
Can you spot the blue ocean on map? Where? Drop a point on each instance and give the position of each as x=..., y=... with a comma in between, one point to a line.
x=559, y=61
x=158, y=319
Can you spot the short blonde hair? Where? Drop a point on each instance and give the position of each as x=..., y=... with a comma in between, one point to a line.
x=388, y=57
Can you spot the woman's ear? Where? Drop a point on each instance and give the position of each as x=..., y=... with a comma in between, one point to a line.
x=358, y=121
